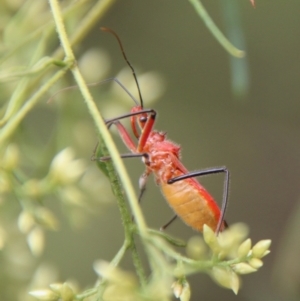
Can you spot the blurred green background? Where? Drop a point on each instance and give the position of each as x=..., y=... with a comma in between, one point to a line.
x=256, y=135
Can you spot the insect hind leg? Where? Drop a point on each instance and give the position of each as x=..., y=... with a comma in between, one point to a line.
x=164, y=227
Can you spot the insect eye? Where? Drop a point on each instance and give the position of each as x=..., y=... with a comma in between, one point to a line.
x=143, y=119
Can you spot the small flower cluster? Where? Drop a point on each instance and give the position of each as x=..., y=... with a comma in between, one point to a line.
x=57, y=291
x=181, y=289
x=232, y=245
x=65, y=178
x=114, y=284
x=232, y=255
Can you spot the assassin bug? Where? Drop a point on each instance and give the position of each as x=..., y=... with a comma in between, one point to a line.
x=190, y=201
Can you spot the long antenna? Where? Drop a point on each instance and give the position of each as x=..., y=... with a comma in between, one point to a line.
x=127, y=61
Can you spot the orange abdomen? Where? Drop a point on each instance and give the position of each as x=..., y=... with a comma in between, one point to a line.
x=192, y=203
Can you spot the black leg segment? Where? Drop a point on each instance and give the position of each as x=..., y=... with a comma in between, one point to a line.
x=162, y=228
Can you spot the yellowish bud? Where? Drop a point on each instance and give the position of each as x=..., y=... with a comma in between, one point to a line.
x=181, y=290
x=226, y=278
x=258, y=251
x=35, y=240
x=186, y=292
x=5, y=183
x=266, y=253
x=56, y=287
x=177, y=288
x=67, y=293
x=196, y=248
x=243, y=268
x=230, y=239
x=114, y=274
x=244, y=248
x=65, y=169
x=11, y=157
x=255, y=263
x=44, y=295
x=211, y=239
x=25, y=221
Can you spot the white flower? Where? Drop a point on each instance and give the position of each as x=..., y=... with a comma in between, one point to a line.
x=64, y=169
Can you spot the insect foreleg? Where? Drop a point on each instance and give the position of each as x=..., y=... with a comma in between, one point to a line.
x=112, y=120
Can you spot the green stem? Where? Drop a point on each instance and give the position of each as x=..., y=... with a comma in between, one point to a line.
x=37, y=68
x=125, y=214
x=90, y=19
x=109, y=143
x=21, y=90
x=118, y=163
x=87, y=23
x=15, y=120
x=215, y=30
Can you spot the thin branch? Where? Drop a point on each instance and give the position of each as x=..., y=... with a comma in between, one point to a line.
x=215, y=30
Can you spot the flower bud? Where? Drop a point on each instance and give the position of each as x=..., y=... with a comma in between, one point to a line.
x=64, y=169
x=56, y=287
x=44, y=295
x=67, y=293
x=35, y=240
x=114, y=274
x=226, y=278
x=25, y=221
x=211, y=239
x=266, y=253
x=244, y=248
x=5, y=184
x=196, y=248
x=258, y=251
x=177, y=288
x=181, y=290
x=243, y=268
x=11, y=157
x=255, y=263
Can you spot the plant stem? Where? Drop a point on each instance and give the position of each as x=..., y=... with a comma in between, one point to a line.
x=15, y=120
x=113, y=152
x=99, y=121
x=215, y=30
x=90, y=19
x=129, y=228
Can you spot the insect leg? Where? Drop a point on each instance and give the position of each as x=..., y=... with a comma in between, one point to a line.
x=210, y=171
x=143, y=177
x=147, y=124
x=162, y=228
x=123, y=156
x=112, y=120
